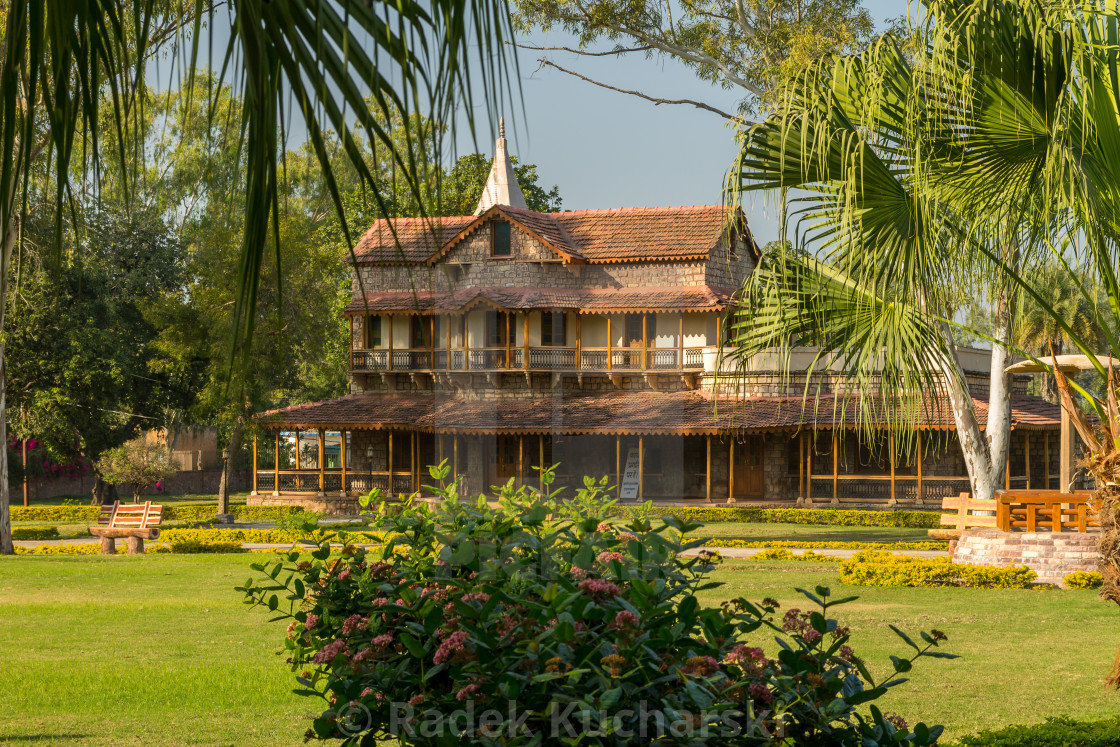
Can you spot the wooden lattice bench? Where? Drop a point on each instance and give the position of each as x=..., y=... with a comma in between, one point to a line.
x=963, y=516
x=136, y=522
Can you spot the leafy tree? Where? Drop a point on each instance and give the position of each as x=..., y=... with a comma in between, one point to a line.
x=138, y=462
x=752, y=46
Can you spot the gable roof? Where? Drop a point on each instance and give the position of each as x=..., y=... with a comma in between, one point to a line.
x=578, y=236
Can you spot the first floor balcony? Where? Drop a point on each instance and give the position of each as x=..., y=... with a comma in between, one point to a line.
x=600, y=360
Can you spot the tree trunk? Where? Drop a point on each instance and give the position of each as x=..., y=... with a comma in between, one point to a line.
x=6, y=546
x=104, y=494
x=998, y=431
x=974, y=448
x=227, y=466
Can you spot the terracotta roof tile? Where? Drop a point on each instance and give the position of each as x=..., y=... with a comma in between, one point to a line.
x=594, y=300
x=609, y=413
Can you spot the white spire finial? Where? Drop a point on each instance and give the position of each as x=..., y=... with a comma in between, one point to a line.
x=501, y=185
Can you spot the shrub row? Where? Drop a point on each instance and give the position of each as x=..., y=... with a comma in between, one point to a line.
x=84, y=548
x=1084, y=580
x=1059, y=731
x=94, y=548
x=783, y=554
x=877, y=568
x=34, y=533
x=719, y=542
x=75, y=514
x=827, y=517
x=263, y=536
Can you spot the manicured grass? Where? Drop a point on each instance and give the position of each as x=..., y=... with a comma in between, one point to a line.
x=809, y=532
x=159, y=650
x=184, y=499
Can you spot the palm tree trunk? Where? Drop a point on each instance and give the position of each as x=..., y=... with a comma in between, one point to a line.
x=974, y=447
x=227, y=465
x=998, y=431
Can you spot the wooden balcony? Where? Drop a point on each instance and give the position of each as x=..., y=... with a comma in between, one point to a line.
x=331, y=481
x=548, y=359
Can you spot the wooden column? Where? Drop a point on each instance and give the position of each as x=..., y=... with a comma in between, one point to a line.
x=618, y=466
x=276, y=465
x=1027, y=456
x=455, y=456
x=708, y=471
x=525, y=340
x=389, y=365
x=254, y=468
x=921, y=490
x=447, y=321
x=508, y=340
x=342, y=459
x=322, y=461
x=610, y=344
x=541, y=466
x=835, y=465
x=466, y=342
x=731, y=470
x=645, y=343
x=641, y=470
x=890, y=443
x=432, y=341
x=391, y=493
x=579, y=341
x=801, y=467
x=1046, y=460
x=521, y=460
x=811, y=446
x=680, y=343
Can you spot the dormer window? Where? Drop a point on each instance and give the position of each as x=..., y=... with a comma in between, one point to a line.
x=501, y=240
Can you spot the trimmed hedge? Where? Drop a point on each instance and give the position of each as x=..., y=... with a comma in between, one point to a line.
x=719, y=542
x=192, y=547
x=807, y=556
x=827, y=517
x=1084, y=580
x=77, y=514
x=263, y=536
x=84, y=548
x=1056, y=731
x=34, y=533
x=876, y=568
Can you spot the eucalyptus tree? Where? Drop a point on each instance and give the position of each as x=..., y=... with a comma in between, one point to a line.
x=985, y=142
x=71, y=71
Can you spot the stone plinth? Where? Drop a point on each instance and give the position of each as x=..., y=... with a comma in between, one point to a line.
x=1051, y=555
x=329, y=504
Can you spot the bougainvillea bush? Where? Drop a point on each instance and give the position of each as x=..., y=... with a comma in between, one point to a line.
x=535, y=622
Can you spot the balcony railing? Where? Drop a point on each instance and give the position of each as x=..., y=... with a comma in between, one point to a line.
x=357, y=483
x=603, y=360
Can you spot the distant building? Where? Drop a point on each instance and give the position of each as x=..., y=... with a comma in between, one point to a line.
x=508, y=339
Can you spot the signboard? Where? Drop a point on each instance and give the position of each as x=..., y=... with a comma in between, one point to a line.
x=630, y=477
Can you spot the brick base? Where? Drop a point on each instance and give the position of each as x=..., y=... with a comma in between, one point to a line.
x=328, y=504
x=1051, y=555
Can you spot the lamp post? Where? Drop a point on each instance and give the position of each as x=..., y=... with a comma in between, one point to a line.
x=369, y=465
x=224, y=516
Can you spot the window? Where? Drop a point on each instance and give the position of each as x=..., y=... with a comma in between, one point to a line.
x=425, y=331
x=373, y=332
x=553, y=329
x=634, y=328
x=496, y=328
x=501, y=246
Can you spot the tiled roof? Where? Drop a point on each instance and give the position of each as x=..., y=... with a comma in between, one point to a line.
x=608, y=413
x=596, y=236
x=590, y=300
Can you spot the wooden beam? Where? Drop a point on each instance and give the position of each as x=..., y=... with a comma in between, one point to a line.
x=540, y=467
x=466, y=342
x=801, y=467
x=254, y=468
x=447, y=321
x=342, y=460
x=708, y=473
x=455, y=456
x=1027, y=456
x=432, y=341
x=521, y=460
x=579, y=341
x=835, y=465
x=1007, y=466
x=641, y=470
x=921, y=494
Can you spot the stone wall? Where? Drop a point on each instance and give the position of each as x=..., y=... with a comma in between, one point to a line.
x=1051, y=555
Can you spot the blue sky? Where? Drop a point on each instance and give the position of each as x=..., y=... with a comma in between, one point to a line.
x=606, y=149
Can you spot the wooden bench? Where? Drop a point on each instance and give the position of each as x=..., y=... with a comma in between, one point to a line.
x=963, y=517
x=137, y=522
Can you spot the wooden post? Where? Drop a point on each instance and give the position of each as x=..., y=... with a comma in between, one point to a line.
x=1046, y=460
x=708, y=471
x=618, y=466
x=610, y=344
x=342, y=459
x=801, y=467
x=579, y=341
x=415, y=461
x=466, y=342
x=525, y=340
x=835, y=465
x=432, y=341
x=276, y=464
x=540, y=472
x=921, y=490
x=1027, y=456
x=254, y=469
x=680, y=343
x=455, y=456
x=645, y=343
x=447, y=321
x=389, y=366
x=809, y=449
x=890, y=443
x=508, y=341
x=731, y=470
x=391, y=493
x=641, y=470
x=521, y=460
x=322, y=461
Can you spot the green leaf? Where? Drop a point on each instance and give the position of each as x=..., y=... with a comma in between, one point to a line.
x=414, y=646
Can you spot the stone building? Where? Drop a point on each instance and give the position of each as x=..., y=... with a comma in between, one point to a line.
x=589, y=339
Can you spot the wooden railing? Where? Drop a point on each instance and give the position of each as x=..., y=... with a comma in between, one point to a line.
x=1044, y=511
x=307, y=481
x=539, y=359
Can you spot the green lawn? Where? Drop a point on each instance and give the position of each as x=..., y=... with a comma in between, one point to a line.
x=809, y=532
x=159, y=650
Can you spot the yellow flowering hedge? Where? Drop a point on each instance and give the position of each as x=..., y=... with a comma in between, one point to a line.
x=719, y=542
x=779, y=553
x=877, y=568
x=34, y=533
x=1084, y=580
x=171, y=512
x=827, y=517
x=266, y=536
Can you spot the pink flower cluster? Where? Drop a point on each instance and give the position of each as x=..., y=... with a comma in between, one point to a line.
x=352, y=623
x=467, y=693
x=607, y=557
x=603, y=527
x=626, y=619
x=599, y=587
x=703, y=666
x=795, y=621
x=760, y=692
x=328, y=653
x=452, y=648
x=312, y=621
x=745, y=656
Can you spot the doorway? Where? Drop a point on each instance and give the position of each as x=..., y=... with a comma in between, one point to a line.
x=747, y=466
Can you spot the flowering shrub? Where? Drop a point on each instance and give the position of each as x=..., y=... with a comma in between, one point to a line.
x=76, y=514
x=720, y=542
x=825, y=516
x=535, y=622
x=872, y=568
x=1084, y=580
x=34, y=533
x=783, y=554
